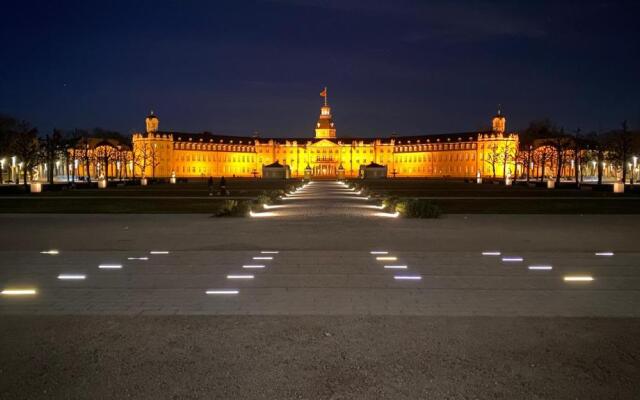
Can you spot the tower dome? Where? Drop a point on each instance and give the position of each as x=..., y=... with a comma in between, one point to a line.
x=499, y=122
x=152, y=123
x=325, y=128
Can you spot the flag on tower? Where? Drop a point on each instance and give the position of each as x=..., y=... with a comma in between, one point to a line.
x=323, y=93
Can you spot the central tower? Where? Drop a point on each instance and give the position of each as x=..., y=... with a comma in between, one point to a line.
x=325, y=128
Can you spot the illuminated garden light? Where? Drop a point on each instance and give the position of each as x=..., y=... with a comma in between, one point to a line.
x=407, y=277
x=222, y=292
x=540, y=267
x=263, y=258
x=269, y=252
x=18, y=292
x=72, y=277
x=512, y=259
x=262, y=214
x=240, y=276
x=50, y=252
x=253, y=266
x=605, y=254
x=110, y=266
x=395, y=267
x=491, y=253
x=378, y=252
x=138, y=258
x=389, y=215
x=387, y=258
x=158, y=252
x=578, y=278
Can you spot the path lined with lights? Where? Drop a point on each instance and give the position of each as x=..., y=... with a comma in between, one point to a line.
x=324, y=199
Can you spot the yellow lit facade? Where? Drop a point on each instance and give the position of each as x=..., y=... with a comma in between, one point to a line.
x=167, y=153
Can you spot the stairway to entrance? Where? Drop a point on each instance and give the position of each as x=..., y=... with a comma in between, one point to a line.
x=326, y=198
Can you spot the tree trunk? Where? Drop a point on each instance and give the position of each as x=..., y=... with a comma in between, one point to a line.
x=560, y=164
x=600, y=157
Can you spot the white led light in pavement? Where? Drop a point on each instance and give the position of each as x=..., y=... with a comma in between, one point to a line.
x=110, y=266
x=138, y=258
x=18, y=292
x=378, y=252
x=512, y=259
x=253, y=266
x=382, y=214
x=605, y=254
x=72, y=277
x=263, y=258
x=262, y=214
x=50, y=252
x=395, y=267
x=222, y=291
x=276, y=206
x=490, y=253
x=269, y=252
x=386, y=258
x=578, y=278
x=407, y=277
x=239, y=276
x=158, y=252
x=540, y=267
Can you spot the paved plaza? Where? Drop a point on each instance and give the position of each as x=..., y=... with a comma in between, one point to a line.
x=324, y=296
x=324, y=250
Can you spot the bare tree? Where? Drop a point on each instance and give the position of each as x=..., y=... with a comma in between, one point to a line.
x=493, y=157
x=619, y=146
x=26, y=147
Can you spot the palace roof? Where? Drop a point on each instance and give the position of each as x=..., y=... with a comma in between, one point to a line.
x=208, y=137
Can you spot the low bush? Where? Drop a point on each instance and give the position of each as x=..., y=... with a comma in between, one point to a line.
x=234, y=208
x=418, y=208
x=390, y=202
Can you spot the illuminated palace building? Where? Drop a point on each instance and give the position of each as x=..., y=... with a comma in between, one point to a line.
x=165, y=153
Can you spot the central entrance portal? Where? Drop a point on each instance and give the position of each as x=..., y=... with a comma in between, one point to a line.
x=325, y=170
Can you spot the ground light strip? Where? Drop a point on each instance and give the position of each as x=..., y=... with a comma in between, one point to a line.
x=578, y=278
x=605, y=254
x=138, y=258
x=240, y=277
x=18, y=292
x=50, y=252
x=72, y=277
x=407, y=277
x=253, y=266
x=263, y=258
x=512, y=259
x=378, y=252
x=491, y=253
x=540, y=267
x=158, y=252
x=395, y=267
x=110, y=266
x=269, y=252
x=384, y=258
x=222, y=292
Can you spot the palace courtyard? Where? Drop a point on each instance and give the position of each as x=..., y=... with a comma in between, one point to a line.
x=321, y=296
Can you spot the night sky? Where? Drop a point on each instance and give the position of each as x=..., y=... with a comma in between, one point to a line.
x=390, y=66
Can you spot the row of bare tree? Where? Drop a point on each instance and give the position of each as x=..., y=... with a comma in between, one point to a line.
x=544, y=145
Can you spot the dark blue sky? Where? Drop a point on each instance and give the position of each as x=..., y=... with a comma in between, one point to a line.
x=391, y=66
